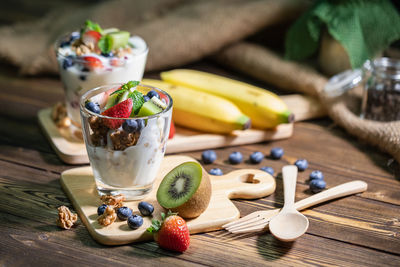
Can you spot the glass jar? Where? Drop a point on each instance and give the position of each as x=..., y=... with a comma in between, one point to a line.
x=380, y=79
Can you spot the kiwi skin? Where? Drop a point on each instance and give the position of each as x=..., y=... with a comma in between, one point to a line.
x=198, y=203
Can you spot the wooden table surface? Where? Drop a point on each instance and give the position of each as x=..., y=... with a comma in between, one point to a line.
x=361, y=230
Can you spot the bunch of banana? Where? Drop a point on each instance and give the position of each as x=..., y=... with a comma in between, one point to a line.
x=265, y=109
x=202, y=111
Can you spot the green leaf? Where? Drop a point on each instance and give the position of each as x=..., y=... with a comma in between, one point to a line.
x=155, y=226
x=125, y=87
x=118, y=92
x=90, y=25
x=137, y=100
x=130, y=84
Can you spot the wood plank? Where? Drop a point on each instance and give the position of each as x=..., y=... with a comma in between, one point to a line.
x=379, y=231
x=75, y=246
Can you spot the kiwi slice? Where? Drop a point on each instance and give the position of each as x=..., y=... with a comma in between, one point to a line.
x=111, y=101
x=186, y=189
x=158, y=102
x=149, y=108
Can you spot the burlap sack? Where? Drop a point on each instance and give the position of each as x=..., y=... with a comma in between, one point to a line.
x=263, y=64
x=177, y=31
x=180, y=31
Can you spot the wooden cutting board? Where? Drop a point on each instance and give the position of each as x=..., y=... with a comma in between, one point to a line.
x=79, y=185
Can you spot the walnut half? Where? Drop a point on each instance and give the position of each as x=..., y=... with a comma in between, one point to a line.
x=116, y=201
x=66, y=218
x=108, y=217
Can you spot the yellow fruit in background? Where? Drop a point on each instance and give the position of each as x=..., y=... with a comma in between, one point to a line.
x=265, y=109
x=202, y=111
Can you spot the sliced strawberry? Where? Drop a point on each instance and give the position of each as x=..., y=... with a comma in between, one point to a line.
x=91, y=37
x=171, y=130
x=121, y=110
x=106, y=95
x=116, y=62
x=172, y=127
x=92, y=62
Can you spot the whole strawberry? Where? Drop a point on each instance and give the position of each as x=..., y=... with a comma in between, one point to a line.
x=171, y=233
x=121, y=110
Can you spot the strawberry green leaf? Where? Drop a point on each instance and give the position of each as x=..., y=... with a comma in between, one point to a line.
x=155, y=226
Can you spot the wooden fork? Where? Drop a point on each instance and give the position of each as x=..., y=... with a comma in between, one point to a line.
x=259, y=220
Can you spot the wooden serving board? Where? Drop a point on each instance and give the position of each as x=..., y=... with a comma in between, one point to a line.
x=72, y=150
x=79, y=185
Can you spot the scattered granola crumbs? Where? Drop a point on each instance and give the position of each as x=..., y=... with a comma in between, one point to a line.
x=66, y=218
x=108, y=217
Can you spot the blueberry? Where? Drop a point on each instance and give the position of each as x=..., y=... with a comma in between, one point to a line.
x=68, y=62
x=83, y=77
x=315, y=175
x=101, y=209
x=135, y=221
x=301, y=164
x=74, y=36
x=124, y=213
x=109, y=54
x=130, y=126
x=146, y=98
x=317, y=185
x=145, y=208
x=235, y=157
x=152, y=93
x=141, y=124
x=268, y=169
x=208, y=156
x=216, y=171
x=65, y=43
x=276, y=152
x=93, y=107
x=256, y=157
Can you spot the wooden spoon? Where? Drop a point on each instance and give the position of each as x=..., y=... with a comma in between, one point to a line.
x=289, y=224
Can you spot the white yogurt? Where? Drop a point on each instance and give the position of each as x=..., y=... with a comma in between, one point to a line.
x=136, y=166
x=76, y=82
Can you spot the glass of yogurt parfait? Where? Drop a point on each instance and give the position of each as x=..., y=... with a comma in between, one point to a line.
x=125, y=129
x=96, y=56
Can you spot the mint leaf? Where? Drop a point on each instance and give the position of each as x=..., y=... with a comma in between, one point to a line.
x=130, y=84
x=118, y=92
x=125, y=87
x=137, y=100
x=90, y=25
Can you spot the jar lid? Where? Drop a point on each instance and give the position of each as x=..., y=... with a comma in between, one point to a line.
x=342, y=82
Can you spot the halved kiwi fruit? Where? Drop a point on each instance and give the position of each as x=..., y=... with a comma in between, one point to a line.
x=186, y=189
